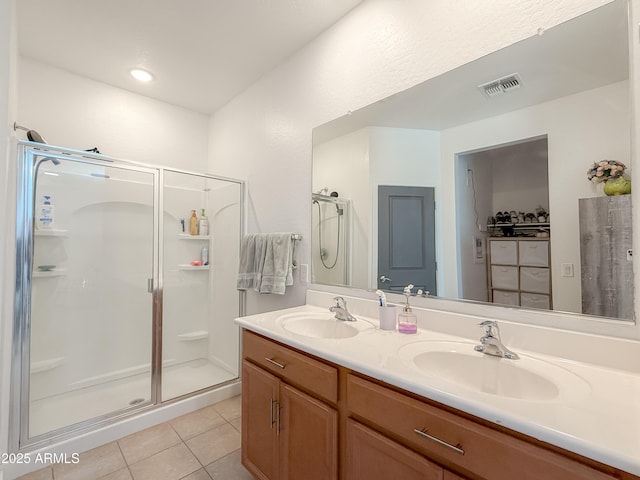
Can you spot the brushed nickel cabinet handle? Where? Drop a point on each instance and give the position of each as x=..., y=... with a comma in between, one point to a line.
x=277, y=364
x=455, y=448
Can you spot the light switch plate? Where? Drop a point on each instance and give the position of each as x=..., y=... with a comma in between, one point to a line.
x=567, y=269
x=304, y=273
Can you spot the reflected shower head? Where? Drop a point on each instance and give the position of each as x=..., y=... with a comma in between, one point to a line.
x=34, y=136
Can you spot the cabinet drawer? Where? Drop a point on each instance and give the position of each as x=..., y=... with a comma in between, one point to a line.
x=535, y=300
x=297, y=369
x=504, y=277
x=534, y=253
x=504, y=252
x=372, y=456
x=506, y=298
x=533, y=279
x=452, y=440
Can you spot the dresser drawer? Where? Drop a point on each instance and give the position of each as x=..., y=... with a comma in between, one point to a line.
x=535, y=300
x=452, y=440
x=293, y=367
x=506, y=298
x=504, y=277
x=534, y=279
x=534, y=253
x=504, y=252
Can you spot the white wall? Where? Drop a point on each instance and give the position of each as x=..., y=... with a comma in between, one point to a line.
x=75, y=112
x=581, y=129
x=342, y=165
x=401, y=156
x=380, y=48
x=8, y=106
x=355, y=164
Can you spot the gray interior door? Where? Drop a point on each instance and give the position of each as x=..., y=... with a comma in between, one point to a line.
x=406, y=238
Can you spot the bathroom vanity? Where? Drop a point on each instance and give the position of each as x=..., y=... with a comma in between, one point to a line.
x=326, y=400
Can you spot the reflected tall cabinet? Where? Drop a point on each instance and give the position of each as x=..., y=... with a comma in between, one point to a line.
x=605, y=256
x=518, y=271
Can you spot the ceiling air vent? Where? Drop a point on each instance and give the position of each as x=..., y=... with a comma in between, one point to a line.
x=501, y=85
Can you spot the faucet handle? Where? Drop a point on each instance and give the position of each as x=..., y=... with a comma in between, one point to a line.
x=340, y=302
x=489, y=327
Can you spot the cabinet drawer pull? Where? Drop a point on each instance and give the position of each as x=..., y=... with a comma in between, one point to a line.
x=277, y=364
x=455, y=448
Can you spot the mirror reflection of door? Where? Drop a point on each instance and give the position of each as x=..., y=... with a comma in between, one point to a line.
x=406, y=238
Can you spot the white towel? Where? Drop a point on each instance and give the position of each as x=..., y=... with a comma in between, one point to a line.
x=277, y=271
x=252, y=255
x=266, y=262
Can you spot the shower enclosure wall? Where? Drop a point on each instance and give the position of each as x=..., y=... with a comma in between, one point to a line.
x=113, y=314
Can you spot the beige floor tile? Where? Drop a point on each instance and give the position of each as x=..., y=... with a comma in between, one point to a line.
x=197, y=422
x=42, y=474
x=198, y=475
x=237, y=424
x=93, y=464
x=229, y=468
x=214, y=444
x=231, y=408
x=122, y=474
x=171, y=464
x=148, y=442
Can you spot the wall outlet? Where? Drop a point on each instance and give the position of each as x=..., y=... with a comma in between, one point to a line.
x=304, y=273
x=567, y=269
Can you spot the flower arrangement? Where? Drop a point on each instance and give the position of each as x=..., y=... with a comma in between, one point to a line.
x=605, y=170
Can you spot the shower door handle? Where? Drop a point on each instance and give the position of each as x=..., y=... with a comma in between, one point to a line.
x=150, y=285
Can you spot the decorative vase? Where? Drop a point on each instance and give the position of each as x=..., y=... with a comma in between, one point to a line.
x=617, y=186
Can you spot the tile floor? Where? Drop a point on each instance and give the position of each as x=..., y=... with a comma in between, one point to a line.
x=202, y=445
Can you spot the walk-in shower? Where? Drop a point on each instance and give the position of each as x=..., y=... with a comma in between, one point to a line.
x=114, y=313
x=331, y=223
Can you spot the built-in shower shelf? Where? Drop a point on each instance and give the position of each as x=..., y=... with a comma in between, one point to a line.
x=54, y=232
x=186, y=236
x=191, y=336
x=56, y=272
x=193, y=267
x=46, y=365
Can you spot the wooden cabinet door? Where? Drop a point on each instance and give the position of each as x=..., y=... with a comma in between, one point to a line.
x=308, y=437
x=372, y=456
x=452, y=476
x=259, y=422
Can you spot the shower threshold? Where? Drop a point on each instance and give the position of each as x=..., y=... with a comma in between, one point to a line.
x=58, y=411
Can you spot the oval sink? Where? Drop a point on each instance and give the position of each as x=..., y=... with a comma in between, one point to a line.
x=321, y=325
x=524, y=379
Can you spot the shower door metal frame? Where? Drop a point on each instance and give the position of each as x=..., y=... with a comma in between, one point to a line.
x=19, y=439
x=21, y=361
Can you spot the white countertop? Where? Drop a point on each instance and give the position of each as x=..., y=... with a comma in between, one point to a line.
x=598, y=417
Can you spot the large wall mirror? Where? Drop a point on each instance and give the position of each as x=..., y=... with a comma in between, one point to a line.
x=473, y=185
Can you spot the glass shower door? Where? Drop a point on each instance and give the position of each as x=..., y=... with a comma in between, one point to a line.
x=90, y=311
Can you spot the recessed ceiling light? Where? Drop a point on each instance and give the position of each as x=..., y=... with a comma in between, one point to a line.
x=141, y=75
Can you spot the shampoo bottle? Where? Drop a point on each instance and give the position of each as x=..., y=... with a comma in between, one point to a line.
x=44, y=214
x=193, y=223
x=203, y=224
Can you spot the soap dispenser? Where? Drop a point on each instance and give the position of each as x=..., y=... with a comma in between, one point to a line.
x=407, y=320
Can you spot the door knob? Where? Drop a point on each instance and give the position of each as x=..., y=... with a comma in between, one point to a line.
x=384, y=279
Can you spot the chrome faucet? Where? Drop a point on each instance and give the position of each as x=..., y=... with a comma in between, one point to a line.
x=340, y=309
x=491, y=344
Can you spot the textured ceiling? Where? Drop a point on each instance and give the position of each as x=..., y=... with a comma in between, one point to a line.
x=202, y=52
